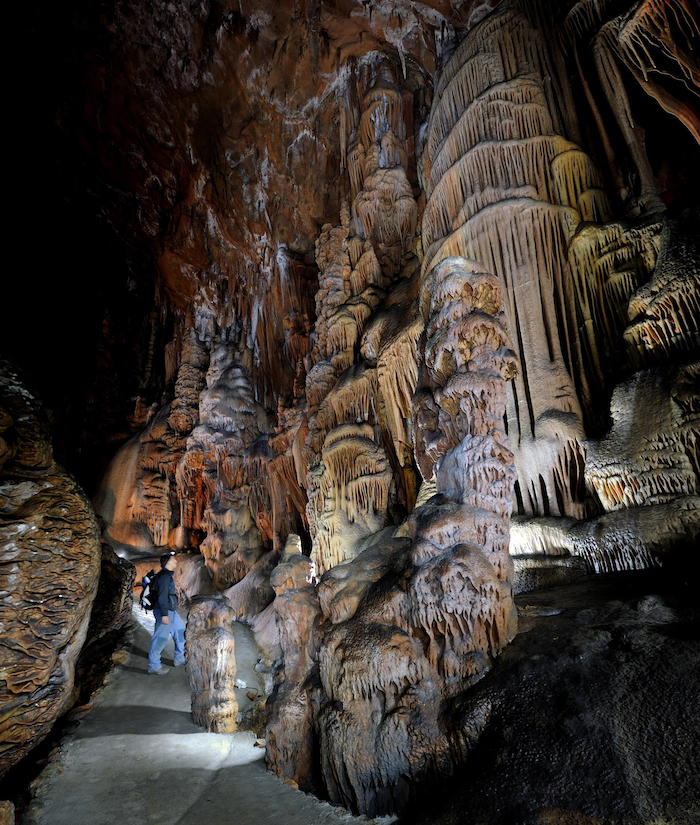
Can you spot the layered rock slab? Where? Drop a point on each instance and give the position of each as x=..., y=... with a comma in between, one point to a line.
x=50, y=554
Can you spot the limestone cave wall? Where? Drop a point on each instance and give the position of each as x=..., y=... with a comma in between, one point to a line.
x=410, y=324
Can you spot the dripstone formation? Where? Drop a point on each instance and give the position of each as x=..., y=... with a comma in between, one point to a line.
x=418, y=297
x=211, y=664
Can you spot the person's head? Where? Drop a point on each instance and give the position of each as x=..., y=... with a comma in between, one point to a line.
x=168, y=561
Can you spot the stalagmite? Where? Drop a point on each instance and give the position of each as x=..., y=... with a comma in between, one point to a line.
x=396, y=650
x=468, y=359
x=184, y=410
x=290, y=747
x=211, y=664
x=217, y=473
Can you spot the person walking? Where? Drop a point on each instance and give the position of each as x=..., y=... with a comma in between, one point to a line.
x=168, y=623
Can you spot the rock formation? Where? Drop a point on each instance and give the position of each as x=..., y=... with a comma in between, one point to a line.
x=396, y=272
x=414, y=625
x=217, y=474
x=211, y=664
x=50, y=555
x=507, y=187
x=290, y=730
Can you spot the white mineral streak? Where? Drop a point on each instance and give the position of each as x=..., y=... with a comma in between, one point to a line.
x=507, y=189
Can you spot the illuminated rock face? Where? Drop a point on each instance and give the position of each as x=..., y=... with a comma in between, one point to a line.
x=651, y=454
x=50, y=554
x=218, y=462
x=349, y=481
x=138, y=496
x=394, y=653
x=505, y=187
x=211, y=664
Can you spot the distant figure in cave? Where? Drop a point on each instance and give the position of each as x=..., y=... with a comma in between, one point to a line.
x=168, y=623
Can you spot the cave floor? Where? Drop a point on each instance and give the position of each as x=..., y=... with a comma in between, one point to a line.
x=137, y=758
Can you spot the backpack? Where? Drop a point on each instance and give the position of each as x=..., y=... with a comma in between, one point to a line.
x=148, y=594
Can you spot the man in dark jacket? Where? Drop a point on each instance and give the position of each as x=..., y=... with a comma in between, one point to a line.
x=168, y=623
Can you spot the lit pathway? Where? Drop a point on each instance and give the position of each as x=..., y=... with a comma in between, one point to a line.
x=137, y=759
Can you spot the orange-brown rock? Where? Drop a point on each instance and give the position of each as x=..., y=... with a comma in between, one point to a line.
x=351, y=217
x=50, y=553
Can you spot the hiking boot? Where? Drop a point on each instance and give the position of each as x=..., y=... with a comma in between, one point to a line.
x=160, y=672
x=179, y=664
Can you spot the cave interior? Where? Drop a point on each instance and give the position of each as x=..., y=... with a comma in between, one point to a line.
x=385, y=317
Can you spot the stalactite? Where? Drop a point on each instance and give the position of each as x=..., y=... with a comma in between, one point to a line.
x=607, y=264
x=553, y=169
x=655, y=42
x=348, y=489
x=397, y=372
x=665, y=312
x=631, y=538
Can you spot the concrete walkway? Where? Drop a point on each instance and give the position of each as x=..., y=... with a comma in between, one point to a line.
x=137, y=759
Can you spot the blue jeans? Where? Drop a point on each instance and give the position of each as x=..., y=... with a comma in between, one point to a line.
x=176, y=629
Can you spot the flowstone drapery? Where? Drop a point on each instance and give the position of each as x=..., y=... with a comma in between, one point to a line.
x=505, y=187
